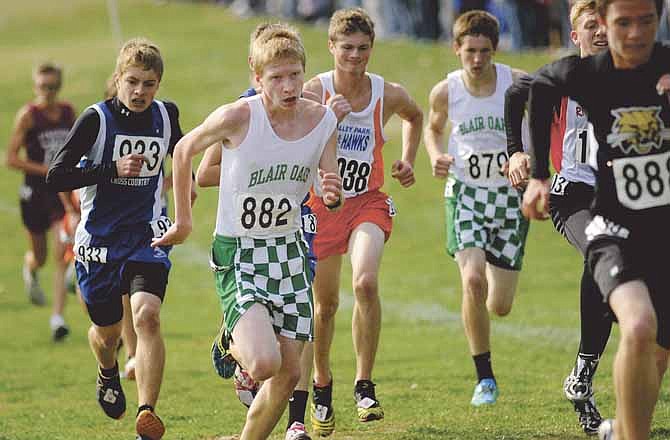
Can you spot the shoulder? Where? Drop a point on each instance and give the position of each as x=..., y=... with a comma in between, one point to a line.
x=395, y=93
x=231, y=115
x=313, y=108
x=517, y=74
x=314, y=88
x=566, y=66
x=172, y=109
x=24, y=117
x=439, y=94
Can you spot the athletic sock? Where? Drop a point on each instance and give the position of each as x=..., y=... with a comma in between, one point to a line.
x=108, y=373
x=143, y=407
x=297, y=405
x=483, y=366
x=596, y=325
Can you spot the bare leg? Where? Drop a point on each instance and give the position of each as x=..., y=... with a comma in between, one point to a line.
x=276, y=364
x=103, y=342
x=636, y=372
x=129, y=338
x=60, y=267
x=472, y=265
x=502, y=287
x=366, y=246
x=150, y=356
x=326, y=300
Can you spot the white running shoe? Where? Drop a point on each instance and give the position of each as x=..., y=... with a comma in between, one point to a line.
x=32, y=285
x=297, y=431
x=606, y=430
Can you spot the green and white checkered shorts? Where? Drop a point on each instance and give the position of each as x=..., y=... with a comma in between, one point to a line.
x=486, y=218
x=273, y=272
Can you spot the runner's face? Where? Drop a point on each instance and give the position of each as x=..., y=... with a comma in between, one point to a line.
x=589, y=35
x=476, y=54
x=47, y=86
x=631, y=30
x=282, y=82
x=351, y=52
x=137, y=88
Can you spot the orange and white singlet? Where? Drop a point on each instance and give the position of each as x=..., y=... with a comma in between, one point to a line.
x=360, y=138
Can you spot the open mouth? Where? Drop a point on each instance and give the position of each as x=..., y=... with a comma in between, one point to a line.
x=138, y=102
x=600, y=43
x=290, y=100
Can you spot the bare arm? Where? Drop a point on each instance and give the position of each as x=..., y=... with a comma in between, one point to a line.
x=331, y=182
x=312, y=90
x=398, y=101
x=22, y=124
x=209, y=170
x=223, y=124
x=438, y=102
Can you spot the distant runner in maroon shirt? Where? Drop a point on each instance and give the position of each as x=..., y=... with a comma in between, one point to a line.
x=41, y=127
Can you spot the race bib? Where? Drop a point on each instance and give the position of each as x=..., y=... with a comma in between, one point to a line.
x=558, y=185
x=355, y=175
x=85, y=254
x=264, y=214
x=642, y=182
x=160, y=226
x=483, y=167
x=152, y=148
x=309, y=223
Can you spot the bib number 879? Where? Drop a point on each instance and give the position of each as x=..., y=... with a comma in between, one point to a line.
x=479, y=165
x=263, y=213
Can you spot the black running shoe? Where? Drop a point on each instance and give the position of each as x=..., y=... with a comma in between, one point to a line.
x=367, y=405
x=60, y=332
x=110, y=395
x=589, y=417
x=223, y=361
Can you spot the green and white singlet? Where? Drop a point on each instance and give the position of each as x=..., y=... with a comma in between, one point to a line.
x=259, y=255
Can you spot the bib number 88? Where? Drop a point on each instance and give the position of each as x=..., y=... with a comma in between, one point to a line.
x=643, y=182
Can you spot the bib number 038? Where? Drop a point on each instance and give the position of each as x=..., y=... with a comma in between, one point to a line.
x=643, y=182
x=355, y=174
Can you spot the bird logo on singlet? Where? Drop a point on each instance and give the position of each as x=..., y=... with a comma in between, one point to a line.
x=638, y=129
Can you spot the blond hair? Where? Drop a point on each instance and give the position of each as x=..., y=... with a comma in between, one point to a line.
x=275, y=42
x=579, y=8
x=475, y=23
x=139, y=52
x=48, y=68
x=349, y=21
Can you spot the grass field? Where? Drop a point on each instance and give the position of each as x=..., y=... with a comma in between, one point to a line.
x=424, y=373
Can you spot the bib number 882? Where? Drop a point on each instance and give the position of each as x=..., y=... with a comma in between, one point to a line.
x=265, y=213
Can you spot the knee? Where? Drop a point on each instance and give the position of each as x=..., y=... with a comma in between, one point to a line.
x=474, y=286
x=264, y=365
x=365, y=286
x=326, y=308
x=147, y=319
x=639, y=333
x=107, y=340
x=499, y=308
